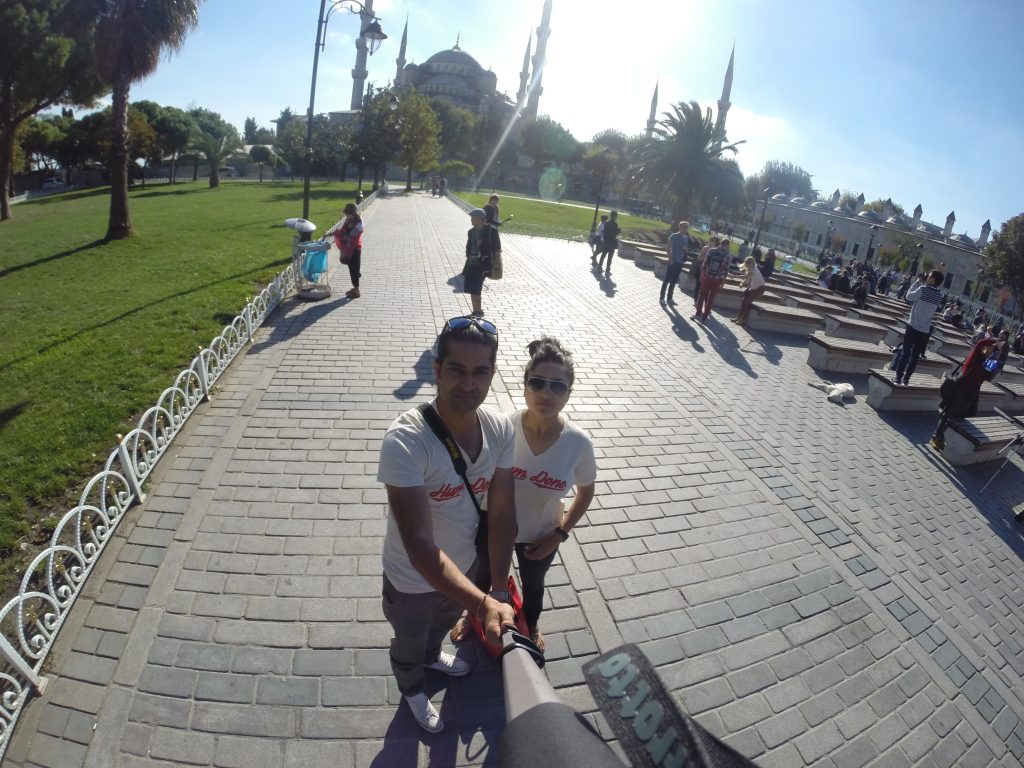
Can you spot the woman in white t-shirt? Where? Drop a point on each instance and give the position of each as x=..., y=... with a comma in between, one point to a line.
x=752, y=285
x=551, y=456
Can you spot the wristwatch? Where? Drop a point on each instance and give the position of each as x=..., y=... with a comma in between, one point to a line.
x=562, y=533
x=500, y=595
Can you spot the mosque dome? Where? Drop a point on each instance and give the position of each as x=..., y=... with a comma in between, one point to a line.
x=869, y=214
x=780, y=198
x=442, y=61
x=963, y=240
x=798, y=201
x=820, y=204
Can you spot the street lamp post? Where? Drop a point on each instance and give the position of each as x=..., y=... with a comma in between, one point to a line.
x=869, y=254
x=764, y=210
x=829, y=229
x=371, y=32
x=917, y=259
x=606, y=155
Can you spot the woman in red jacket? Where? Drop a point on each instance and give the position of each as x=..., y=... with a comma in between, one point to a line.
x=349, y=239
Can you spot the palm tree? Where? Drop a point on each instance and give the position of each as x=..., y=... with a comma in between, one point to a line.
x=130, y=36
x=685, y=159
x=216, y=149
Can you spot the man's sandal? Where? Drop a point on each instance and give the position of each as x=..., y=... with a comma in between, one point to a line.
x=461, y=631
x=538, y=639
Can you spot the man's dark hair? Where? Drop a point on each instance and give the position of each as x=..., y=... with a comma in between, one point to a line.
x=548, y=349
x=937, y=276
x=470, y=333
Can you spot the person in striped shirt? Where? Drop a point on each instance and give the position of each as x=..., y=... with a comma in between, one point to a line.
x=926, y=299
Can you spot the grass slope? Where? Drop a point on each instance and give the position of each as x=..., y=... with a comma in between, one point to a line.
x=93, y=332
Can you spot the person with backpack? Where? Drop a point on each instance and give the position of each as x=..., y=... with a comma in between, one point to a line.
x=349, y=239
x=713, y=273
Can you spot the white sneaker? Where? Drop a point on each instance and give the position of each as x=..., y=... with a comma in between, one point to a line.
x=450, y=664
x=428, y=718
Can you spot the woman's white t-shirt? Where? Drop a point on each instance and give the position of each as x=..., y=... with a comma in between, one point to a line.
x=411, y=455
x=542, y=481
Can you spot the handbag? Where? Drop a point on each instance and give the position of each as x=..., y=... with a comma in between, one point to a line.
x=496, y=266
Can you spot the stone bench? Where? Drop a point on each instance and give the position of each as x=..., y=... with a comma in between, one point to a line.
x=1014, y=385
x=894, y=335
x=857, y=330
x=872, y=317
x=646, y=257
x=832, y=353
x=812, y=305
x=779, y=318
x=922, y=394
x=980, y=439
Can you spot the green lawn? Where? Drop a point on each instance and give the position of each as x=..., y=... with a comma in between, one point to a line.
x=550, y=219
x=93, y=332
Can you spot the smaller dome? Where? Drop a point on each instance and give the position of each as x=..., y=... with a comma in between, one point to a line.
x=819, y=204
x=869, y=214
x=963, y=239
x=780, y=198
x=843, y=209
x=799, y=201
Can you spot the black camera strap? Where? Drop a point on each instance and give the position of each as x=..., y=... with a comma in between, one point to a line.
x=431, y=417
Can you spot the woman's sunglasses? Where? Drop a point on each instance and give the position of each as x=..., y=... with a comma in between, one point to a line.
x=461, y=323
x=537, y=384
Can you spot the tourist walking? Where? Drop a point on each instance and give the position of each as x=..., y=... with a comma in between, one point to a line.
x=551, y=456
x=753, y=286
x=926, y=299
x=597, y=238
x=429, y=556
x=349, y=240
x=713, y=273
x=482, y=243
x=678, y=244
x=492, y=211
x=610, y=240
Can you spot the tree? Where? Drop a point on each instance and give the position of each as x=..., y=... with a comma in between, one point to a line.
x=376, y=139
x=457, y=170
x=130, y=36
x=290, y=144
x=419, y=147
x=779, y=176
x=215, y=139
x=878, y=206
x=1003, y=261
x=174, y=130
x=849, y=199
x=45, y=60
x=546, y=141
x=457, y=128
x=262, y=155
x=684, y=159
x=798, y=231
x=40, y=140
x=249, y=131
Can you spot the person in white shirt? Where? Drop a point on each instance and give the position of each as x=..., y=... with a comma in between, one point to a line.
x=752, y=285
x=429, y=556
x=551, y=456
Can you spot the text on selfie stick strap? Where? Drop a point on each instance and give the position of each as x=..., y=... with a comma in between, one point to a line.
x=452, y=447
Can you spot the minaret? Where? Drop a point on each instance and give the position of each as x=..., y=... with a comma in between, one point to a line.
x=400, y=61
x=543, y=31
x=723, y=103
x=950, y=221
x=654, y=111
x=917, y=215
x=524, y=76
x=986, y=230
x=359, y=72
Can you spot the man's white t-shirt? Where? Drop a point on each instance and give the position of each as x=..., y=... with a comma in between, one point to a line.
x=411, y=455
x=542, y=481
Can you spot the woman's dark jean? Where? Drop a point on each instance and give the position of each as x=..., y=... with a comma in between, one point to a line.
x=531, y=574
x=353, y=266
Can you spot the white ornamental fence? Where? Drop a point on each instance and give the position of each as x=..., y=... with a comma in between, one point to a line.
x=30, y=621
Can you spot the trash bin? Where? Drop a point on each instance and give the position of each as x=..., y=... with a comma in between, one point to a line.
x=309, y=260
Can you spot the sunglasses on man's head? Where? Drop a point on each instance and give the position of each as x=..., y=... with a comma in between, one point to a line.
x=461, y=323
x=537, y=384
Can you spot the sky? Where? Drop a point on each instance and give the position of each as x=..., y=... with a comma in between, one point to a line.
x=893, y=98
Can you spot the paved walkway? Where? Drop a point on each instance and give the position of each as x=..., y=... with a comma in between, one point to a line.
x=810, y=581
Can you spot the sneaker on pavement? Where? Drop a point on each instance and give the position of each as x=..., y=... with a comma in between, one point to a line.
x=426, y=716
x=449, y=664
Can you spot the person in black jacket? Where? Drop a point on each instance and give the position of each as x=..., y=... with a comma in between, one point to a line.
x=482, y=242
x=611, y=241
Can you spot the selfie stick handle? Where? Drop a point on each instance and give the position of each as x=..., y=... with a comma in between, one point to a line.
x=1018, y=440
x=540, y=730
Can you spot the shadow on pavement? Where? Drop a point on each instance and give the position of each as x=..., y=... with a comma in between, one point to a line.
x=604, y=282
x=724, y=342
x=286, y=323
x=424, y=376
x=683, y=329
x=455, y=281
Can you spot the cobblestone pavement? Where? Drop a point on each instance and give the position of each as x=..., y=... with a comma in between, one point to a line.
x=811, y=582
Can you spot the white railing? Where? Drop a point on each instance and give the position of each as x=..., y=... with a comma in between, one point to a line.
x=30, y=621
